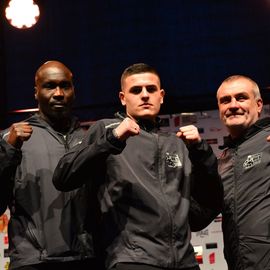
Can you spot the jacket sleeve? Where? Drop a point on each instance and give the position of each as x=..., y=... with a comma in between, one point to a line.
x=82, y=162
x=207, y=188
x=199, y=216
x=10, y=158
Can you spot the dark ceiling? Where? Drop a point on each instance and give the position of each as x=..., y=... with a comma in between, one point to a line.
x=194, y=45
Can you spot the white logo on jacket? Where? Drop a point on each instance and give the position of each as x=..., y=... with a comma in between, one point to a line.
x=252, y=160
x=173, y=160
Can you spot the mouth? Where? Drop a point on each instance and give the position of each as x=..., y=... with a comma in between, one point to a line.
x=233, y=115
x=146, y=105
x=58, y=105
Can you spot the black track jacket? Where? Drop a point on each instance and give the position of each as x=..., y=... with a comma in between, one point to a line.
x=144, y=191
x=46, y=225
x=245, y=170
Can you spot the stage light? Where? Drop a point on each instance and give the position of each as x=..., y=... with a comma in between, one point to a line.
x=22, y=13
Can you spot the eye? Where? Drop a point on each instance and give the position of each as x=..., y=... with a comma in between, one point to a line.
x=49, y=85
x=65, y=85
x=135, y=90
x=241, y=98
x=151, y=88
x=225, y=100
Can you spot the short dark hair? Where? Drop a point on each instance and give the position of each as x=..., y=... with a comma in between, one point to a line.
x=137, y=69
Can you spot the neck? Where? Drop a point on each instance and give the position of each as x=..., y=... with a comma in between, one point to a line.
x=61, y=124
x=237, y=133
x=141, y=119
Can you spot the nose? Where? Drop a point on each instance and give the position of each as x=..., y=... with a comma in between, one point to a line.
x=145, y=92
x=58, y=91
x=234, y=103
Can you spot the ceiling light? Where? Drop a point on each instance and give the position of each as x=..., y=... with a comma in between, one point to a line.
x=22, y=13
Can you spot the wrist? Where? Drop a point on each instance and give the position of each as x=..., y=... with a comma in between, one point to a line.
x=115, y=134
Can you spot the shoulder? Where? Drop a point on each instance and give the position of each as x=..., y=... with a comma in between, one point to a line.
x=100, y=126
x=106, y=123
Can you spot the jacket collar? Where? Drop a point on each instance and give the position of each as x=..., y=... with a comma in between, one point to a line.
x=144, y=124
x=37, y=120
x=251, y=131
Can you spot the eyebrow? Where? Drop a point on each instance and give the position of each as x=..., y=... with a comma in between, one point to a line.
x=139, y=87
x=225, y=97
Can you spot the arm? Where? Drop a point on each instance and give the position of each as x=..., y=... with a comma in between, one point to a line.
x=10, y=157
x=200, y=217
x=84, y=161
x=207, y=188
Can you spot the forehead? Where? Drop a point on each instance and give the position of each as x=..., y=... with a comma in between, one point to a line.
x=53, y=74
x=141, y=79
x=235, y=87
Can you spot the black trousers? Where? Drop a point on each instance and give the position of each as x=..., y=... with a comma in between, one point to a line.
x=137, y=266
x=89, y=264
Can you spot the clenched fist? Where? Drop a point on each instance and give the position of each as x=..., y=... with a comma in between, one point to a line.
x=18, y=133
x=189, y=134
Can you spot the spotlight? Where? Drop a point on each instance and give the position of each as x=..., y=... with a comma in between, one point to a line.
x=22, y=13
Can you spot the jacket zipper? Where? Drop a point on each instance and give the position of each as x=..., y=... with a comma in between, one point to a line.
x=235, y=183
x=171, y=240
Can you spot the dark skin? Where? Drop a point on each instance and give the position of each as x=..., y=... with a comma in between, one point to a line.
x=54, y=92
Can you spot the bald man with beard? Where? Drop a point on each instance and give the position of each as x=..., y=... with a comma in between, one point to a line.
x=47, y=228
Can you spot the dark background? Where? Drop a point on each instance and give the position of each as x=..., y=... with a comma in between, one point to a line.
x=194, y=44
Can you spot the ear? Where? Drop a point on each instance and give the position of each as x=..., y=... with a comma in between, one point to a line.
x=162, y=94
x=74, y=95
x=122, y=98
x=260, y=105
x=35, y=92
